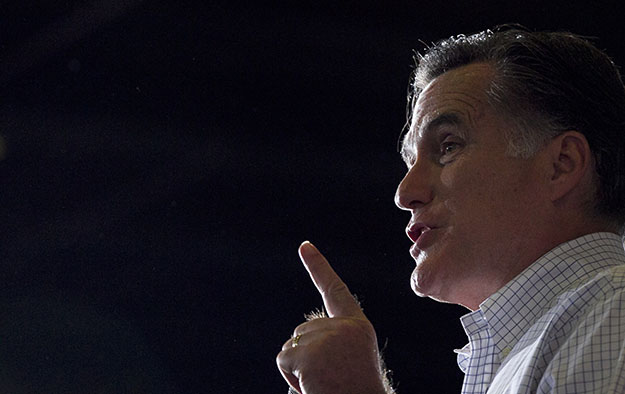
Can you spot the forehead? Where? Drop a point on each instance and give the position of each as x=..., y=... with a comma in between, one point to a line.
x=458, y=95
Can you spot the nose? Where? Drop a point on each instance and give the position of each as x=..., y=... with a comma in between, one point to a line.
x=415, y=190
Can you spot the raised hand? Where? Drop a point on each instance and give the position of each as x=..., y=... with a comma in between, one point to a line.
x=337, y=354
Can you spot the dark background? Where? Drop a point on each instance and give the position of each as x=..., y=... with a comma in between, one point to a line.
x=162, y=161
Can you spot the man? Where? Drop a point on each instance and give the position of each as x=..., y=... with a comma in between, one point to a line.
x=516, y=188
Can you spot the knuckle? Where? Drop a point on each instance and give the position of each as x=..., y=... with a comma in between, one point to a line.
x=280, y=359
x=284, y=358
x=357, y=328
x=300, y=329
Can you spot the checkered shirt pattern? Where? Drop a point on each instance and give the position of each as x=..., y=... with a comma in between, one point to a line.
x=558, y=327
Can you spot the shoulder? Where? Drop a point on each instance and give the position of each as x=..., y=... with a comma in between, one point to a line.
x=586, y=345
x=578, y=341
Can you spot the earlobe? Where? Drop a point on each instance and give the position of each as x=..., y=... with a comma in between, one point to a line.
x=570, y=157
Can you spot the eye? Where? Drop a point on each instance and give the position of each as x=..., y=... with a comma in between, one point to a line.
x=449, y=147
x=448, y=150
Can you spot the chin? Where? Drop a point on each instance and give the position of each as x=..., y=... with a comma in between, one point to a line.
x=420, y=282
x=425, y=286
x=430, y=283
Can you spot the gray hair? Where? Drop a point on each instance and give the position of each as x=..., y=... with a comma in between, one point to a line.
x=546, y=83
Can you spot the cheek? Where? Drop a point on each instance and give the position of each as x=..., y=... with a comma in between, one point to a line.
x=462, y=191
x=469, y=169
x=486, y=187
x=480, y=194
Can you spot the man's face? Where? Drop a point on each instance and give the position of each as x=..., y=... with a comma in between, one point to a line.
x=474, y=207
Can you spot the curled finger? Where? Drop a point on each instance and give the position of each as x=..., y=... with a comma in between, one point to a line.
x=287, y=362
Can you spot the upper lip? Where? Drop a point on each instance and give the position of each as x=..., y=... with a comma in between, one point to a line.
x=416, y=228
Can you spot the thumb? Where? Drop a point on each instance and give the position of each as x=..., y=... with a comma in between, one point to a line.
x=337, y=299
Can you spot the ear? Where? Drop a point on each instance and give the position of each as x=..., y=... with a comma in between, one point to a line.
x=570, y=158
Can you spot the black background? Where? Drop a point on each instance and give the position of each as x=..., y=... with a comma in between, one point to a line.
x=162, y=161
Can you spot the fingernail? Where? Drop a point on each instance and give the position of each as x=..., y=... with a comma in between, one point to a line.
x=307, y=247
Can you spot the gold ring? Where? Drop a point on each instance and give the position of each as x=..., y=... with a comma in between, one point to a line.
x=295, y=340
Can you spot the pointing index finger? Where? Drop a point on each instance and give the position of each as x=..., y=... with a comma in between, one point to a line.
x=336, y=296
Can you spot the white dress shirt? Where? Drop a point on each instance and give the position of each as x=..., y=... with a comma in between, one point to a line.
x=558, y=327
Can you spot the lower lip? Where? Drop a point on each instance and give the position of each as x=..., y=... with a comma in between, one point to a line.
x=425, y=240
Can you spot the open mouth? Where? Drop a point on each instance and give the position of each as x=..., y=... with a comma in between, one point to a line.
x=416, y=230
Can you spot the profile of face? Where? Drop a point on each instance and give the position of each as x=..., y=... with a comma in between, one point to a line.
x=473, y=206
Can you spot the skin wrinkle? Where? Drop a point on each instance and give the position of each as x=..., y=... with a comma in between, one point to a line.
x=427, y=123
x=493, y=100
x=433, y=128
x=490, y=187
x=431, y=85
x=471, y=200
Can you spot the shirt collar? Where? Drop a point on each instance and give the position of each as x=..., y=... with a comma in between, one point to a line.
x=505, y=312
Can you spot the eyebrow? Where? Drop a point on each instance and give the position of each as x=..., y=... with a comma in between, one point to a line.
x=446, y=118
x=443, y=119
